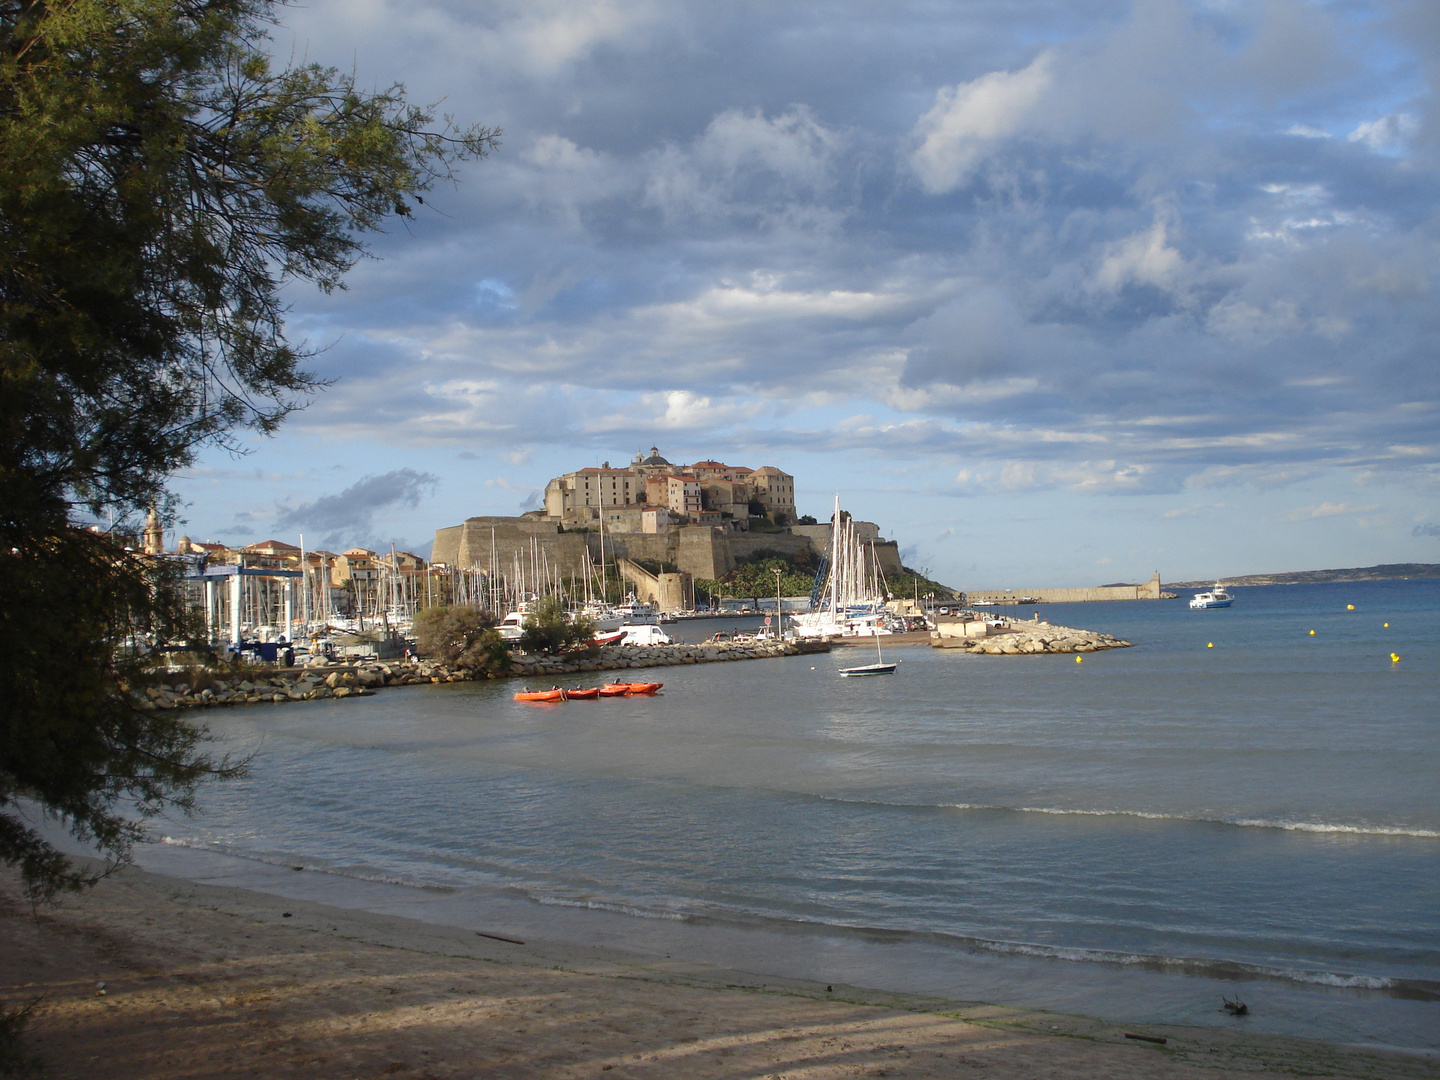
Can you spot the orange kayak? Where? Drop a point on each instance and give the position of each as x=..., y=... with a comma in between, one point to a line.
x=541, y=695
x=613, y=689
x=577, y=694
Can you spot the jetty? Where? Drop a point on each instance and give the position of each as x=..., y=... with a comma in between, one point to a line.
x=1149, y=590
x=994, y=637
x=203, y=688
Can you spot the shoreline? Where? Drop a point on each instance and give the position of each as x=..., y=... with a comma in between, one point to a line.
x=218, y=981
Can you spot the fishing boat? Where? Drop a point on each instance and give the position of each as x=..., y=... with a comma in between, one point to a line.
x=1215, y=597
x=877, y=668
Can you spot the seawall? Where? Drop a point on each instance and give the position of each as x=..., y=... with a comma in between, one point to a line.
x=1150, y=590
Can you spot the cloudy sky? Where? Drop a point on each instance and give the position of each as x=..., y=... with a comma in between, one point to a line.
x=1058, y=292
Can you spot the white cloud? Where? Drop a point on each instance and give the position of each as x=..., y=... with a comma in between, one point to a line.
x=966, y=121
x=1143, y=259
x=1326, y=509
x=1388, y=134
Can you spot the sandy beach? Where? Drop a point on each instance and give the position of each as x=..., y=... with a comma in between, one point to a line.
x=157, y=978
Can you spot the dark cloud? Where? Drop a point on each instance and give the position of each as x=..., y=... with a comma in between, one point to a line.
x=346, y=517
x=1429, y=528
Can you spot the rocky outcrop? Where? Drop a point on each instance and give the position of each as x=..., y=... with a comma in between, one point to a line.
x=1031, y=638
x=204, y=689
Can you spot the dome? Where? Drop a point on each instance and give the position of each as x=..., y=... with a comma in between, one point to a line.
x=655, y=458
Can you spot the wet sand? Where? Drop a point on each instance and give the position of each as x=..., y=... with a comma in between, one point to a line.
x=203, y=982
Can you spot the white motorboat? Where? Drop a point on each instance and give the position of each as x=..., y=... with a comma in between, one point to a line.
x=1215, y=597
x=512, y=626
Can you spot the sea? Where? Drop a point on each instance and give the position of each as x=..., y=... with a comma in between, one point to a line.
x=1246, y=803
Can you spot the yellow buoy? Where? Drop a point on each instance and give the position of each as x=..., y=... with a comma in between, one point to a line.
x=1209, y=645
x=1079, y=659
x=1349, y=607
x=1312, y=633
x=1387, y=626
x=1394, y=658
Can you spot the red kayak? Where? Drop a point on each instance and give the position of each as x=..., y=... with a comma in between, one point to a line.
x=614, y=689
x=578, y=694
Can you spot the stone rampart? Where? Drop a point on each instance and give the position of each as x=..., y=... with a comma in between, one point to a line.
x=702, y=551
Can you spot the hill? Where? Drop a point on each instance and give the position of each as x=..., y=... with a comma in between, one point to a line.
x=1383, y=572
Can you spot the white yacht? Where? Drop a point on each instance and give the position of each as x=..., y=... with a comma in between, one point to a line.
x=1212, y=598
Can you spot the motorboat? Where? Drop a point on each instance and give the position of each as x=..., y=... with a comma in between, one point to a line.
x=513, y=625
x=1215, y=597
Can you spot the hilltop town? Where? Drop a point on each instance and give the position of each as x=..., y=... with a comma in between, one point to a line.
x=661, y=526
x=664, y=526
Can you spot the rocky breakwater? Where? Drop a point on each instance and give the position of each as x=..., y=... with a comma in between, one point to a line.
x=194, y=689
x=617, y=657
x=1023, y=638
x=201, y=689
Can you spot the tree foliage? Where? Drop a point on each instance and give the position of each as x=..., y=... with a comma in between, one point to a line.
x=462, y=637
x=549, y=628
x=754, y=575
x=160, y=183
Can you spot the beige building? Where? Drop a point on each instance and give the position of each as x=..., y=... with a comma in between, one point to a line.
x=706, y=493
x=776, y=491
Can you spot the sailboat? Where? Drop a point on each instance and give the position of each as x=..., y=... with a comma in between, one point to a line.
x=852, y=604
x=877, y=668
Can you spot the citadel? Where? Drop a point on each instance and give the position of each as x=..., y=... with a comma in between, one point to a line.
x=694, y=521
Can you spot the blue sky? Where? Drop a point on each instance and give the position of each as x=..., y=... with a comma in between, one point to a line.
x=1058, y=293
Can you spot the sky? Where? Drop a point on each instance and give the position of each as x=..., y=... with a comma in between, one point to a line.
x=1057, y=292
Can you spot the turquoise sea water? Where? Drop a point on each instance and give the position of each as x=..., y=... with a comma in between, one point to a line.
x=1128, y=837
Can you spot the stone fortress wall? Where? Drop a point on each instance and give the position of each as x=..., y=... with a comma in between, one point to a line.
x=701, y=551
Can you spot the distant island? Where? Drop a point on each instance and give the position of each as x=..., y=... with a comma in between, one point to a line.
x=1383, y=572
